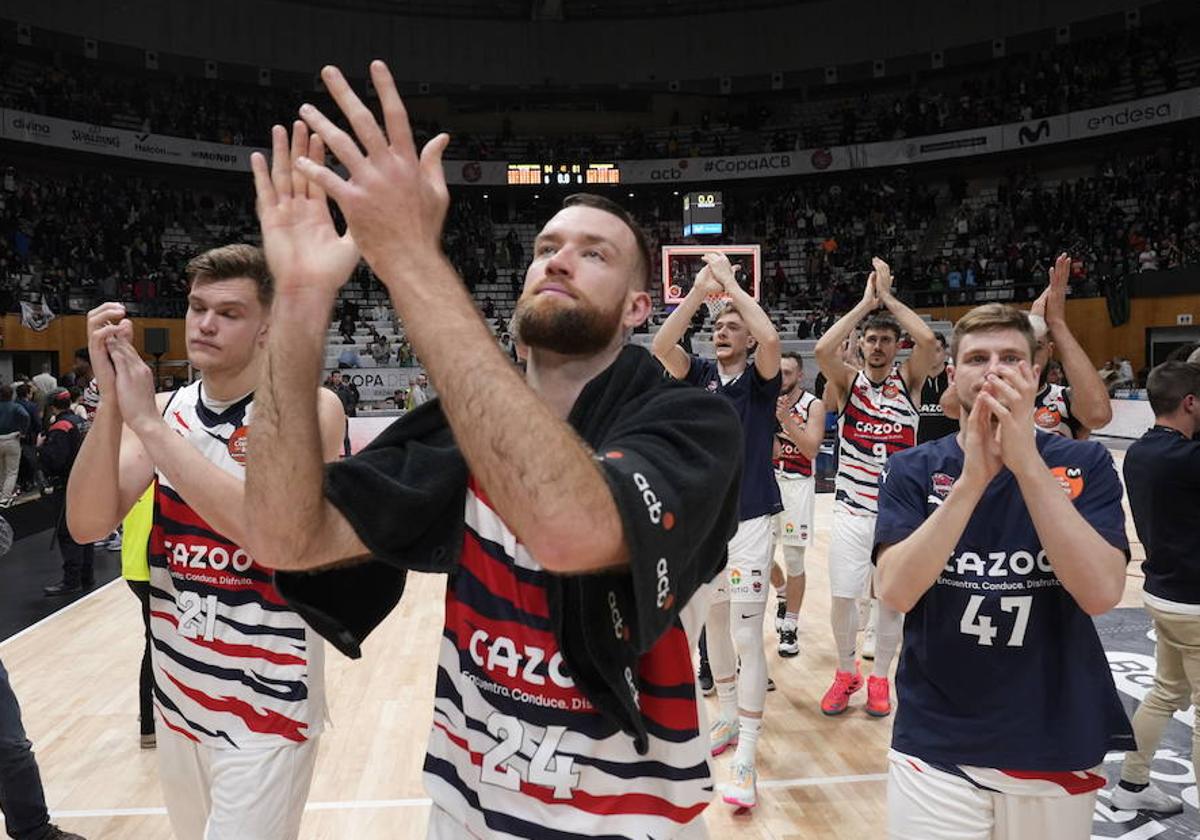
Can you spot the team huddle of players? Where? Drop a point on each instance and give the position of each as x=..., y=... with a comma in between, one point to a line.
x=581, y=546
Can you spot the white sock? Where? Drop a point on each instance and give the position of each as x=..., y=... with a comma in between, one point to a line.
x=792, y=617
x=747, y=748
x=727, y=700
x=889, y=628
x=844, y=617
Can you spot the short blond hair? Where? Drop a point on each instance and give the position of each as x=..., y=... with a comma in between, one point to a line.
x=993, y=317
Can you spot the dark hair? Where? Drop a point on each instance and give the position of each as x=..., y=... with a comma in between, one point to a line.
x=792, y=354
x=230, y=262
x=599, y=202
x=882, y=320
x=82, y=353
x=6, y=393
x=1169, y=383
x=61, y=398
x=22, y=391
x=941, y=339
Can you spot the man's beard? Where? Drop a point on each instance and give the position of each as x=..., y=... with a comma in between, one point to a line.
x=579, y=329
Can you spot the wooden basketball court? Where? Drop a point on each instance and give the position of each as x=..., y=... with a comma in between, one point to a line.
x=76, y=676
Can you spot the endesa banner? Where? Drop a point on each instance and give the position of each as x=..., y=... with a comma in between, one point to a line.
x=1078, y=125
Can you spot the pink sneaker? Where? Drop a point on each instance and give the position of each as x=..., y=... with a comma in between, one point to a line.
x=879, y=697
x=838, y=696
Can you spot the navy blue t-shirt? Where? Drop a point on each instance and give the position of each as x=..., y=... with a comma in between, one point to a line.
x=754, y=400
x=1000, y=667
x=1162, y=475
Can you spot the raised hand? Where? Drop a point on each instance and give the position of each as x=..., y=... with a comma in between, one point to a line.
x=395, y=201
x=1009, y=394
x=135, y=385
x=302, y=246
x=883, y=278
x=104, y=322
x=707, y=284
x=1056, y=292
x=871, y=293
x=784, y=404
x=722, y=271
x=981, y=450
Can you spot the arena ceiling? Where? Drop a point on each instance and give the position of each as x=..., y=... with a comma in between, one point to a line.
x=549, y=9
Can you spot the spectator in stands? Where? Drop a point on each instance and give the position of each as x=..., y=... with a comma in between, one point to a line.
x=348, y=358
x=14, y=424
x=381, y=351
x=419, y=394
x=348, y=393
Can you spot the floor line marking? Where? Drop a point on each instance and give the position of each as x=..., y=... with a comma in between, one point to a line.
x=57, y=613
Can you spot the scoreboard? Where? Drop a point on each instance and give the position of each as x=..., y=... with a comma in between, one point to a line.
x=703, y=213
x=563, y=174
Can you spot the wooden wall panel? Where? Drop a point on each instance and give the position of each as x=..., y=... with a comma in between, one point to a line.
x=68, y=333
x=1088, y=320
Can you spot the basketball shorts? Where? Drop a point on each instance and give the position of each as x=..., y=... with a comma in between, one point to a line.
x=748, y=572
x=924, y=803
x=228, y=794
x=445, y=826
x=793, y=525
x=850, y=545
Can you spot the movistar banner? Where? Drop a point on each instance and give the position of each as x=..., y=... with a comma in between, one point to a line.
x=1079, y=125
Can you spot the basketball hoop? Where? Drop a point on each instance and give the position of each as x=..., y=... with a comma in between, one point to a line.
x=716, y=305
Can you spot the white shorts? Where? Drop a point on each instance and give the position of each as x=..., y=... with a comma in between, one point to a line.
x=931, y=805
x=850, y=546
x=445, y=826
x=793, y=525
x=747, y=574
x=228, y=794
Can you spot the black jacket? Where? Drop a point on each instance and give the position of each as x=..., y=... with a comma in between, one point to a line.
x=58, y=451
x=648, y=431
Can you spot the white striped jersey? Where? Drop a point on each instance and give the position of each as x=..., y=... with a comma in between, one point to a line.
x=516, y=749
x=234, y=666
x=1042, y=783
x=877, y=421
x=791, y=460
x=1052, y=411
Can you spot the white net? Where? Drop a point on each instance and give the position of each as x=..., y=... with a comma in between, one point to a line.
x=716, y=305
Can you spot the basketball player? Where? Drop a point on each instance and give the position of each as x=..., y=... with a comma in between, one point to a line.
x=239, y=677
x=579, y=511
x=877, y=418
x=1006, y=698
x=735, y=621
x=801, y=418
x=934, y=422
x=1073, y=410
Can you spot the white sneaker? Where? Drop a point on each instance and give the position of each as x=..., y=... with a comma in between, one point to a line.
x=1150, y=798
x=789, y=644
x=742, y=790
x=723, y=735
